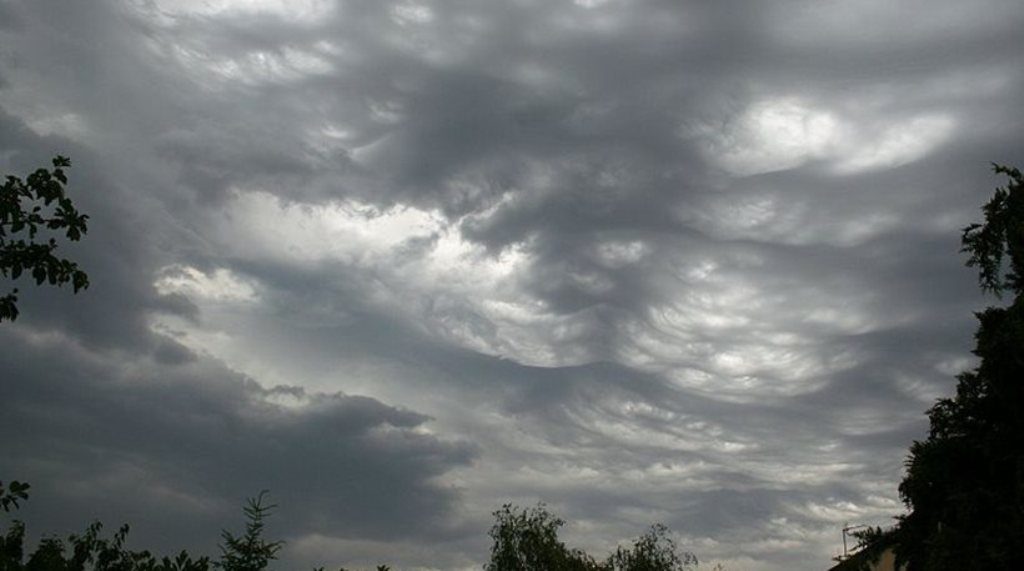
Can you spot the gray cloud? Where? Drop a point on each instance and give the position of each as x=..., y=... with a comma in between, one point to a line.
x=141, y=439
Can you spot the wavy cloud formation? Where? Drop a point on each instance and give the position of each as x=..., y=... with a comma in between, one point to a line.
x=403, y=261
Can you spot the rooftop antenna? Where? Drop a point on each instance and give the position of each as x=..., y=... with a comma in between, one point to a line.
x=846, y=529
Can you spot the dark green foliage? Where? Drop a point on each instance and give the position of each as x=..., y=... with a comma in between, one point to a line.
x=184, y=562
x=524, y=540
x=250, y=552
x=28, y=207
x=964, y=485
x=81, y=552
x=12, y=547
x=379, y=568
x=87, y=551
x=653, y=551
x=527, y=540
x=1000, y=236
x=15, y=491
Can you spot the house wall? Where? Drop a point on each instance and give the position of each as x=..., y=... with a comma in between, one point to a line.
x=886, y=563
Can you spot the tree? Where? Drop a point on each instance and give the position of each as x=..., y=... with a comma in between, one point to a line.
x=90, y=550
x=527, y=540
x=15, y=492
x=652, y=551
x=79, y=551
x=38, y=203
x=29, y=209
x=964, y=484
x=250, y=552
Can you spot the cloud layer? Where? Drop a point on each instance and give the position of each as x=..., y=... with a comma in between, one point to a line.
x=401, y=262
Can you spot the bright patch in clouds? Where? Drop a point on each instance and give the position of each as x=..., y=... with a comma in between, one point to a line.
x=295, y=10
x=252, y=68
x=412, y=13
x=905, y=142
x=220, y=285
x=616, y=254
x=348, y=231
x=67, y=125
x=772, y=135
x=422, y=269
x=774, y=217
x=786, y=133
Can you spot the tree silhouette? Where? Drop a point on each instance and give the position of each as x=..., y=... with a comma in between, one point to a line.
x=85, y=551
x=29, y=209
x=527, y=540
x=652, y=551
x=15, y=492
x=249, y=552
x=964, y=485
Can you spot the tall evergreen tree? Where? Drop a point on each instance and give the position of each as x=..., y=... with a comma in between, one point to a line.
x=964, y=485
x=249, y=552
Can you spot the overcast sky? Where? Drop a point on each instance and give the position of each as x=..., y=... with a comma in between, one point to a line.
x=403, y=262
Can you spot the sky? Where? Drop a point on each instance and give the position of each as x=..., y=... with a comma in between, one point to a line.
x=400, y=263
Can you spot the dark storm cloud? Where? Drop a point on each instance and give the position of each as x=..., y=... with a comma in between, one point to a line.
x=140, y=440
x=695, y=263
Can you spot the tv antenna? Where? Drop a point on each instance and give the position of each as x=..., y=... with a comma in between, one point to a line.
x=846, y=530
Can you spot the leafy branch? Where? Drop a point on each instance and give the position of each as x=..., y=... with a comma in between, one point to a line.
x=39, y=203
